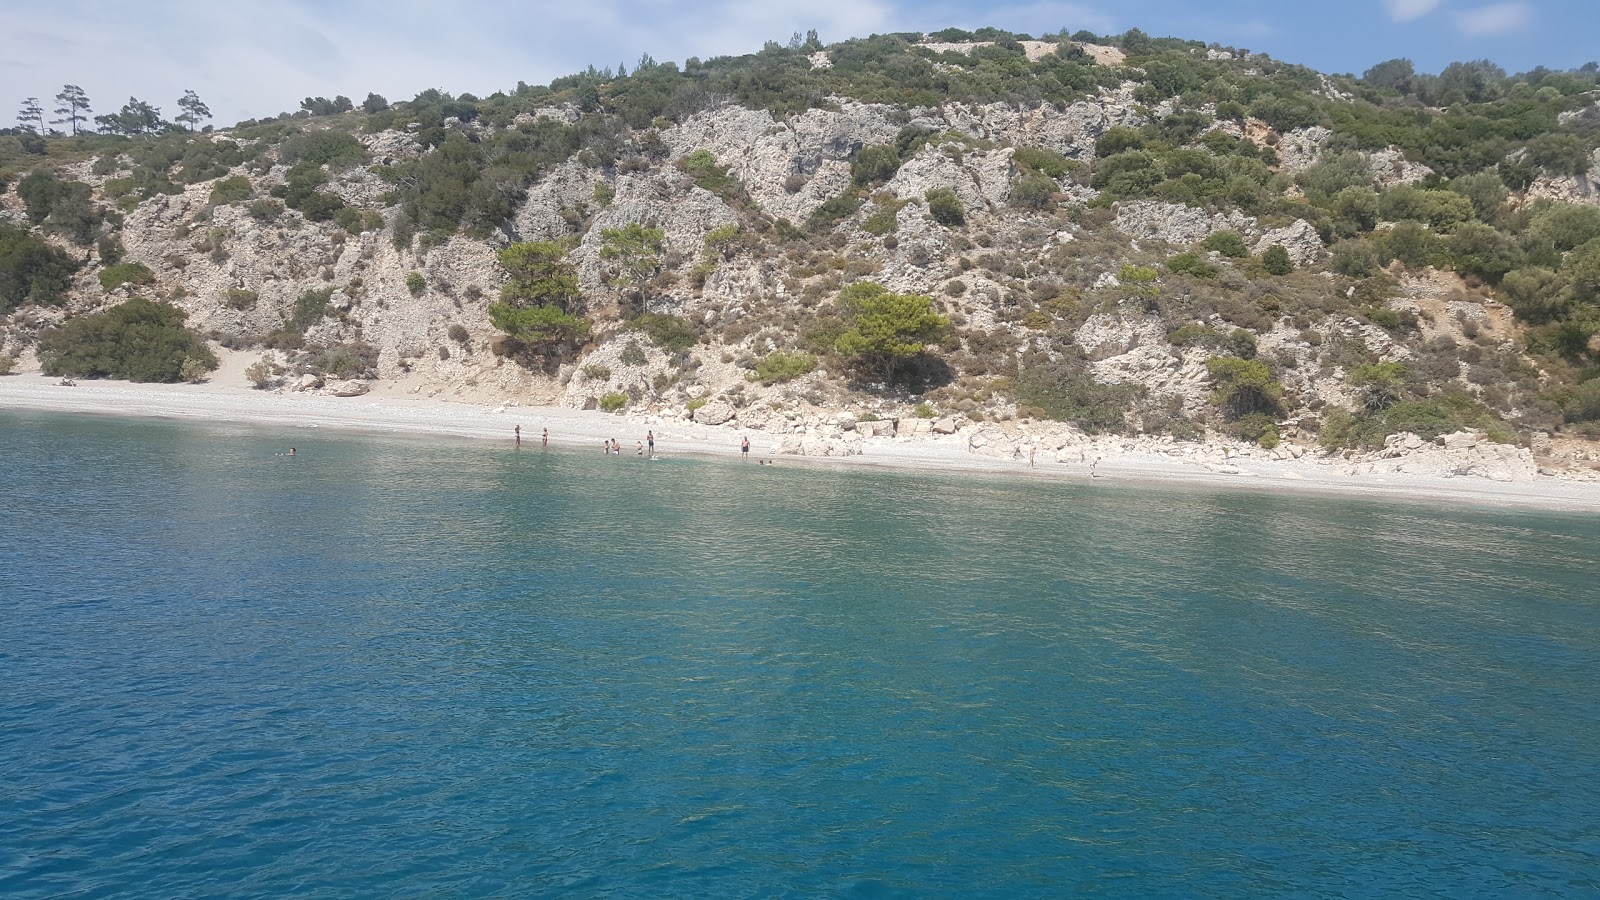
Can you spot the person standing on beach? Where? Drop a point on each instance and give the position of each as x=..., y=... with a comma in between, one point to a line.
x=651, y=438
x=744, y=449
x=545, y=441
x=638, y=448
x=1030, y=456
x=517, y=430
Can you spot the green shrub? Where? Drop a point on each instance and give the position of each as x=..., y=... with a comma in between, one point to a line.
x=113, y=277
x=234, y=189
x=1356, y=259
x=597, y=372
x=1276, y=260
x=137, y=340
x=632, y=354
x=1190, y=263
x=833, y=209
x=883, y=219
x=1033, y=192
x=194, y=369
x=1042, y=161
x=1445, y=412
x=328, y=147
x=1243, y=386
x=1062, y=389
x=1228, y=243
x=309, y=309
x=695, y=404
x=945, y=207
x=7, y=363
x=670, y=333
x=875, y=164
x=779, y=366
x=924, y=411
x=614, y=402
x=415, y=283
x=265, y=209
x=31, y=270
x=1257, y=428
x=239, y=298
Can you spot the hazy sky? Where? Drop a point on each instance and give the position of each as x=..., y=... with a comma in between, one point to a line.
x=252, y=58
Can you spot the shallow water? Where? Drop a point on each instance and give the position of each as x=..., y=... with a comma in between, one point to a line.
x=390, y=666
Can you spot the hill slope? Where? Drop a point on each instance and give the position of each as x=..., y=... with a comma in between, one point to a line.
x=968, y=231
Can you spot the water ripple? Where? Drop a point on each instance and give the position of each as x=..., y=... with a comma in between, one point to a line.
x=389, y=666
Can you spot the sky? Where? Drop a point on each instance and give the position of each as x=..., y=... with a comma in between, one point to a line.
x=254, y=58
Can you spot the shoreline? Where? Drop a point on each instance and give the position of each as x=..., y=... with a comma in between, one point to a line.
x=382, y=412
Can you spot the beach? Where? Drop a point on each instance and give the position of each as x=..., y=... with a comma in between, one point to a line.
x=391, y=412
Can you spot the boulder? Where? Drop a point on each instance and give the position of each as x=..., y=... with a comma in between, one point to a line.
x=351, y=388
x=717, y=412
x=1300, y=239
x=879, y=428
x=947, y=425
x=904, y=427
x=1461, y=440
x=307, y=382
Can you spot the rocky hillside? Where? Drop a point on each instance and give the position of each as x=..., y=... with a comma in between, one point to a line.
x=1150, y=238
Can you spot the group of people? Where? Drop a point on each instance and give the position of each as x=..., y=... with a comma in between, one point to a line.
x=640, y=448
x=544, y=440
x=613, y=447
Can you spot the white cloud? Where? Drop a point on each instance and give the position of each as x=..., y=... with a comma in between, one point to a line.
x=1407, y=10
x=1492, y=20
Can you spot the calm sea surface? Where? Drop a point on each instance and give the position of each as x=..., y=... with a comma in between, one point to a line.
x=397, y=667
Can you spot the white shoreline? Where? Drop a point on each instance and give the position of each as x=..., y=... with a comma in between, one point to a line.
x=385, y=413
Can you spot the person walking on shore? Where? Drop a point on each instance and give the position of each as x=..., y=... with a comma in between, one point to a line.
x=744, y=449
x=517, y=430
x=545, y=441
x=651, y=439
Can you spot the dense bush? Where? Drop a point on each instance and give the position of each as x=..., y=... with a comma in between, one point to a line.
x=31, y=271
x=780, y=365
x=233, y=189
x=945, y=207
x=1062, y=389
x=138, y=340
x=670, y=333
x=112, y=277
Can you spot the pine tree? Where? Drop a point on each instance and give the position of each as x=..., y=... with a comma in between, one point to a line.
x=31, y=116
x=193, y=110
x=74, y=107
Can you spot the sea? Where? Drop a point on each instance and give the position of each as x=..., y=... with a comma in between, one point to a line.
x=390, y=666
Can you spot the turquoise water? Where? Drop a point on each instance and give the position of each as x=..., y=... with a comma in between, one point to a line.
x=387, y=666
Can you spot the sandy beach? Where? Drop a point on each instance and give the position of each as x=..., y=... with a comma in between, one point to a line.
x=387, y=413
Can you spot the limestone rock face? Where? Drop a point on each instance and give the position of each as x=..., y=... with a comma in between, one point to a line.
x=716, y=412
x=1300, y=239
x=1176, y=223
x=1390, y=168
x=1299, y=149
x=982, y=180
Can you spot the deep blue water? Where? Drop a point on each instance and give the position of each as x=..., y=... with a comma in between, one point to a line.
x=396, y=667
